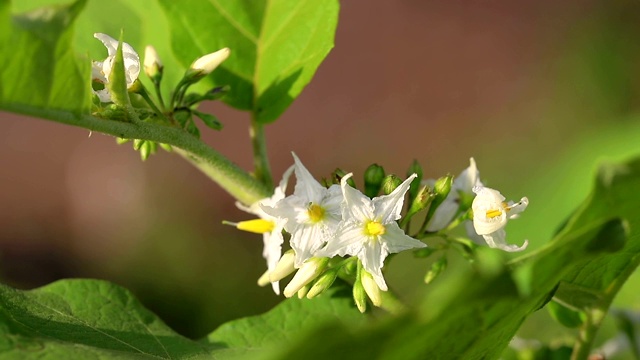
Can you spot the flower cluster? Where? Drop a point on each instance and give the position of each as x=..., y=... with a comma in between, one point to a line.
x=329, y=222
x=138, y=104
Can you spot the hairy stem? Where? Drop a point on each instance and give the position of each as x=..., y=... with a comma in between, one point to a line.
x=228, y=175
x=260, y=160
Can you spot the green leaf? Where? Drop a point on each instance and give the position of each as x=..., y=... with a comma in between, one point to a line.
x=254, y=336
x=38, y=65
x=276, y=46
x=78, y=319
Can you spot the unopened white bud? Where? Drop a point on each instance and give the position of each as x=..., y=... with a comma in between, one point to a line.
x=152, y=63
x=284, y=267
x=371, y=288
x=309, y=271
x=207, y=63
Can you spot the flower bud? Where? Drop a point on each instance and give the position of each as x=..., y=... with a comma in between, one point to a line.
x=264, y=279
x=303, y=291
x=436, y=268
x=360, y=295
x=390, y=183
x=370, y=287
x=423, y=198
x=207, y=63
x=284, y=267
x=152, y=64
x=373, y=177
x=415, y=168
x=309, y=270
x=337, y=176
x=323, y=283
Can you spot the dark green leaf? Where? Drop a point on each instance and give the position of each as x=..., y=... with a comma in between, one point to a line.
x=87, y=319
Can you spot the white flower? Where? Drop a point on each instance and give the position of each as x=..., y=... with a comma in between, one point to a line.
x=312, y=213
x=269, y=226
x=102, y=69
x=463, y=183
x=369, y=229
x=207, y=63
x=490, y=215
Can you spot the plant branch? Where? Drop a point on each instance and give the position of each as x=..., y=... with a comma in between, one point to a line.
x=228, y=175
x=260, y=160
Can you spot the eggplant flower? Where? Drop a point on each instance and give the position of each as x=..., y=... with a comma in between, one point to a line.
x=369, y=229
x=101, y=70
x=312, y=213
x=463, y=184
x=490, y=215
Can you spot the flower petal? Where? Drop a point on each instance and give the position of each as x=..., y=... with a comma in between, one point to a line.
x=356, y=205
x=372, y=257
x=307, y=187
x=388, y=207
x=306, y=241
x=498, y=240
x=395, y=240
x=347, y=240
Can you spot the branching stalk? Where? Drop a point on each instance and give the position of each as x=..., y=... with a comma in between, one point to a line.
x=237, y=182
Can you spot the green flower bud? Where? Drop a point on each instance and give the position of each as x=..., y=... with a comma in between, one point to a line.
x=415, y=168
x=303, y=291
x=373, y=177
x=338, y=174
x=423, y=198
x=323, y=283
x=360, y=295
x=390, y=183
x=436, y=269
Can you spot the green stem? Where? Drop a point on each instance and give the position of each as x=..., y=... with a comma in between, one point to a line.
x=587, y=334
x=228, y=175
x=145, y=95
x=260, y=160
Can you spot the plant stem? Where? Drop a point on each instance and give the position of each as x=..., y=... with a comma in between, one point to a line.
x=260, y=160
x=237, y=182
x=587, y=334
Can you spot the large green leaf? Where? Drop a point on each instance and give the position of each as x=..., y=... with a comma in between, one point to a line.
x=598, y=276
x=276, y=46
x=474, y=313
x=77, y=319
x=38, y=65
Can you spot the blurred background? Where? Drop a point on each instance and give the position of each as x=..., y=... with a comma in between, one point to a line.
x=538, y=92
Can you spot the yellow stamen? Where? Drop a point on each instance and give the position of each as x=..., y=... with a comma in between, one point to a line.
x=316, y=213
x=374, y=228
x=493, y=213
x=258, y=226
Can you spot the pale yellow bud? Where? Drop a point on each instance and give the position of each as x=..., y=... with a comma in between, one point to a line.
x=152, y=63
x=207, y=63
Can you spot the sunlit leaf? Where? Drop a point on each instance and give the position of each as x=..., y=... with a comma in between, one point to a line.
x=276, y=46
